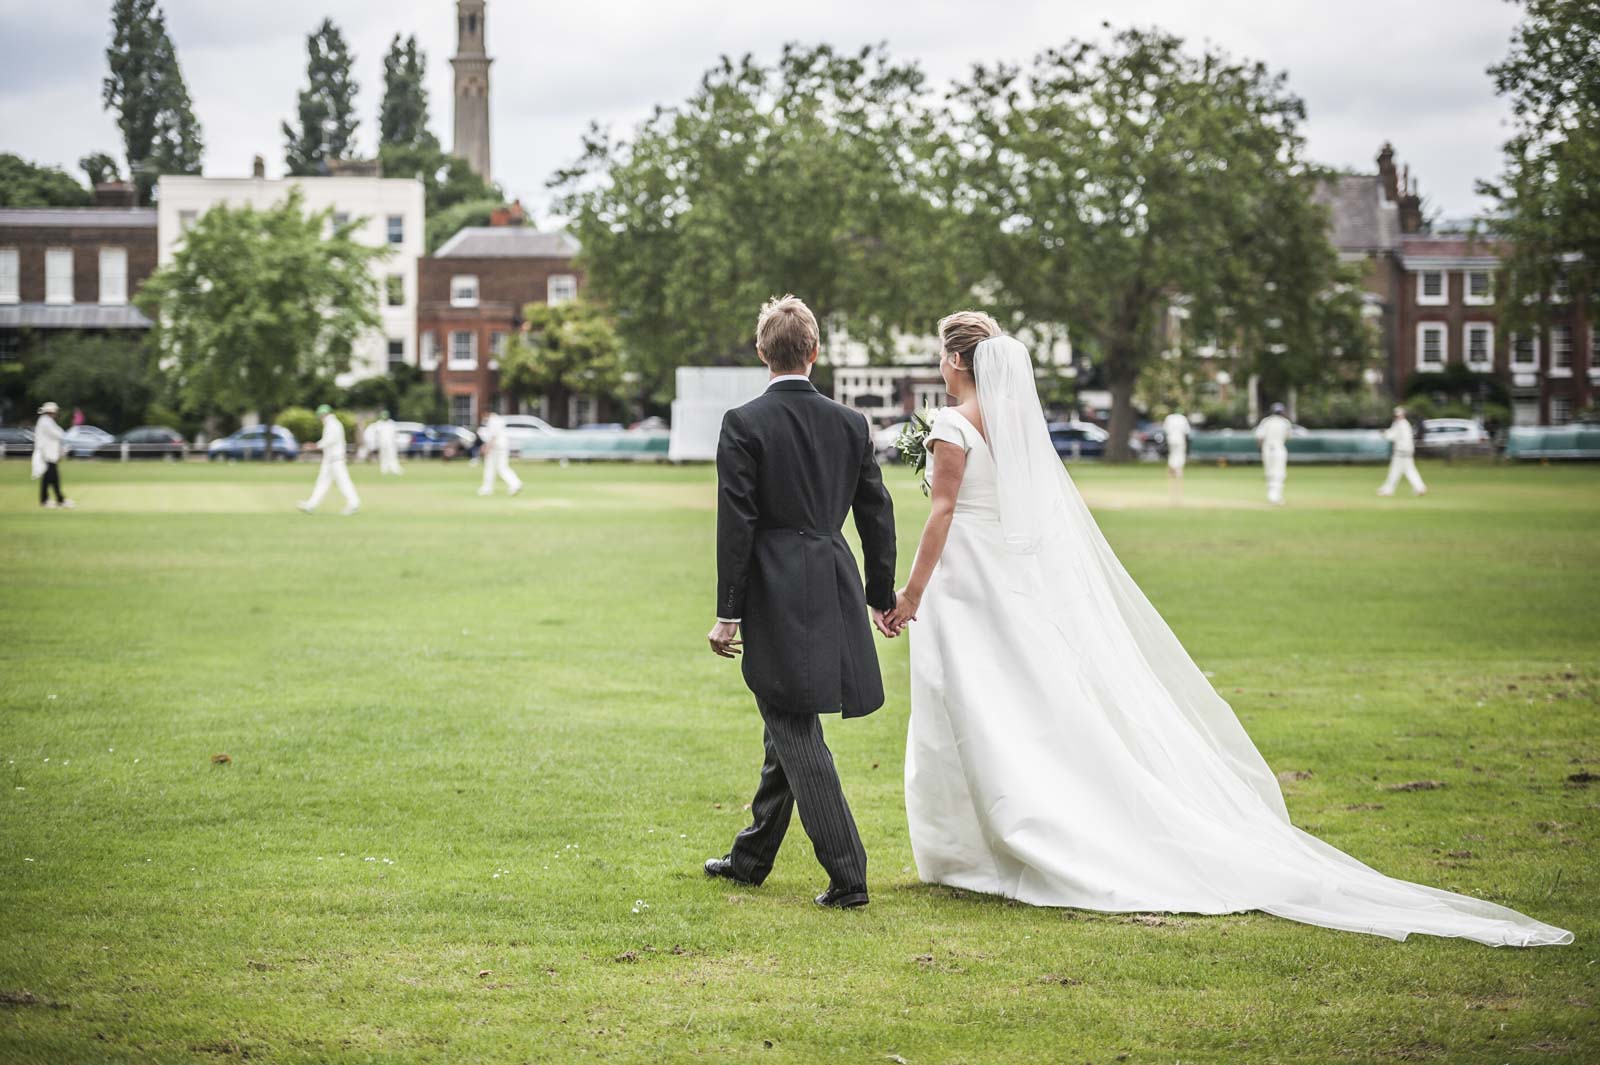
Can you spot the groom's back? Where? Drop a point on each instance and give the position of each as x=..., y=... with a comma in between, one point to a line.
x=808, y=453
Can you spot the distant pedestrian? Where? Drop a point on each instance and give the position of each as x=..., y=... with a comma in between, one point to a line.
x=1273, y=432
x=1175, y=427
x=497, y=456
x=1402, y=457
x=48, y=451
x=387, y=435
x=335, y=467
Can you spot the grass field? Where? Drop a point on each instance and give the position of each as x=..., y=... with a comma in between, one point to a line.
x=478, y=750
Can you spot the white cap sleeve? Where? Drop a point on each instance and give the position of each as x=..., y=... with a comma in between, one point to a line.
x=950, y=429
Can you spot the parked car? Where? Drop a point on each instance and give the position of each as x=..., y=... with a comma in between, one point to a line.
x=1079, y=440
x=1441, y=434
x=81, y=440
x=884, y=441
x=440, y=441
x=250, y=443
x=403, y=432
x=16, y=441
x=145, y=442
x=529, y=434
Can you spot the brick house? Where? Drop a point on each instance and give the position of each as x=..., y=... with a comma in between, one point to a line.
x=471, y=295
x=1449, y=316
x=72, y=268
x=1434, y=294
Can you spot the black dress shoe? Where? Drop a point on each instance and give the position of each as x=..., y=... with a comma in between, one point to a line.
x=722, y=867
x=836, y=898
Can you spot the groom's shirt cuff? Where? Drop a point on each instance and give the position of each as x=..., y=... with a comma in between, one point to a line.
x=730, y=621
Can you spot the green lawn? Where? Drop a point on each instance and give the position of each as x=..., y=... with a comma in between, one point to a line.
x=479, y=751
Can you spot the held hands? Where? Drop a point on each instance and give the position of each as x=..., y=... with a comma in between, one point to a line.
x=893, y=622
x=724, y=638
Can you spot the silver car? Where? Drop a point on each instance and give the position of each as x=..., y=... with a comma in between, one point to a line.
x=1442, y=434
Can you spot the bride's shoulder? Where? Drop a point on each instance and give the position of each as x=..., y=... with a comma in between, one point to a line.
x=952, y=426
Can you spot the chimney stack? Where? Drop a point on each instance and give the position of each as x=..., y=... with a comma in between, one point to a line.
x=510, y=214
x=115, y=194
x=258, y=169
x=1386, y=173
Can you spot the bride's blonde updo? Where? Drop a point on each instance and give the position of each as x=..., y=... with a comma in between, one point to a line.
x=960, y=333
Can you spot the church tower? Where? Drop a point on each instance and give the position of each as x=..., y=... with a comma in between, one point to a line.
x=471, y=63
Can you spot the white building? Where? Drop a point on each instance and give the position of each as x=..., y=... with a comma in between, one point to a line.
x=910, y=381
x=393, y=212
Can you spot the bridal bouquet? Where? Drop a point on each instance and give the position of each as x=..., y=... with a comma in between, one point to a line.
x=912, y=444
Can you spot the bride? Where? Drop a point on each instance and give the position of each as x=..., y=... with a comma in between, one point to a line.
x=1064, y=750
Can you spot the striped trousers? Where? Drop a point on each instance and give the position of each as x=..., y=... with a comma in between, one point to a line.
x=799, y=771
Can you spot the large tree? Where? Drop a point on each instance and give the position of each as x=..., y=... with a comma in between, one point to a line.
x=25, y=184
x=1548, y=197
x=403, y=115
x=812, y=175
x=326, y=111
x=256, y=303
x=1110, y=180
x=145, y=87
x=111, y=377
x=570, y=349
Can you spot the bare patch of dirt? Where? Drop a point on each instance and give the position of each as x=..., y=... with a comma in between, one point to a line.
x=1416, y=785
x=28, y=998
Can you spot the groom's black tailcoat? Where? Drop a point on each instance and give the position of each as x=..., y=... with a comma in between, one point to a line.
x=790, y=465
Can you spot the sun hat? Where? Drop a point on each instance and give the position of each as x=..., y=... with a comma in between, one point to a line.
x=50, y=408
x=323, y=408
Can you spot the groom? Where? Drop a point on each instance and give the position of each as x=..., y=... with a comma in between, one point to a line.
x=790, y=464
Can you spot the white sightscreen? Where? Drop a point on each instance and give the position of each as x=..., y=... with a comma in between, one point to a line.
x=705, y=394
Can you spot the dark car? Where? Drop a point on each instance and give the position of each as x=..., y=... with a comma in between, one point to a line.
x=1078, y=440
x=16, y=441
x=249, y=444
x=440, y=442
x=145, y=442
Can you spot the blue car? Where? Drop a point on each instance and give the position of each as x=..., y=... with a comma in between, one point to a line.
x=1079, y=440
x=440, y=442
x=248, y=444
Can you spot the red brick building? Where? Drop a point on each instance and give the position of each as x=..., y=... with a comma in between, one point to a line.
x=1435, y=297
x=71, y=268
x=1449, y=315
x=470, y=298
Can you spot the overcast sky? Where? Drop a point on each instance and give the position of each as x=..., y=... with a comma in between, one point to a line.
x=1408, y=71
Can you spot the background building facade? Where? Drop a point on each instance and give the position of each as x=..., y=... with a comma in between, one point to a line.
x=391, y=214
x=472, y=292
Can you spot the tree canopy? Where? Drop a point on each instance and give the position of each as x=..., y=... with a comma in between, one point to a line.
x=810, y=176
x=257, y=302
x=569, y=349
x=145, y=87
x=403, y=116
x=326, y=111
x=25, y=184
x=1548, y=196
x=1113, y=181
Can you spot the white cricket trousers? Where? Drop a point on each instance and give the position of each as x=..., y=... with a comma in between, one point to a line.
x=1402, y=466
x=498, y=463
x=333, y=473
x=1275, y=460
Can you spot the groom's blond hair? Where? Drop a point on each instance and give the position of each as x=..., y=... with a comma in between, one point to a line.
x=786, y=334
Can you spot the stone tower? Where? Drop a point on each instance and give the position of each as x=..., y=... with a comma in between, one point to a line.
x=471, y=63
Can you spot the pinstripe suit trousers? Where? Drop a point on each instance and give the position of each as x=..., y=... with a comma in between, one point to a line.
x=799, y=771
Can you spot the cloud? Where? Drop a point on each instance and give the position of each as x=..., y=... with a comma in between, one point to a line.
x=1370, y=70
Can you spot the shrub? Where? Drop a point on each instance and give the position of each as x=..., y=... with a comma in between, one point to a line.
x=301, y=423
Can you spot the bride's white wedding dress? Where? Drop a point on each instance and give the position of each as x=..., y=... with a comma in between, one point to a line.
x=1064, y=750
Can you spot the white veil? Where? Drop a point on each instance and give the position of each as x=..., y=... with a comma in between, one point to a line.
x=1042, y=514
x=1132, y=670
